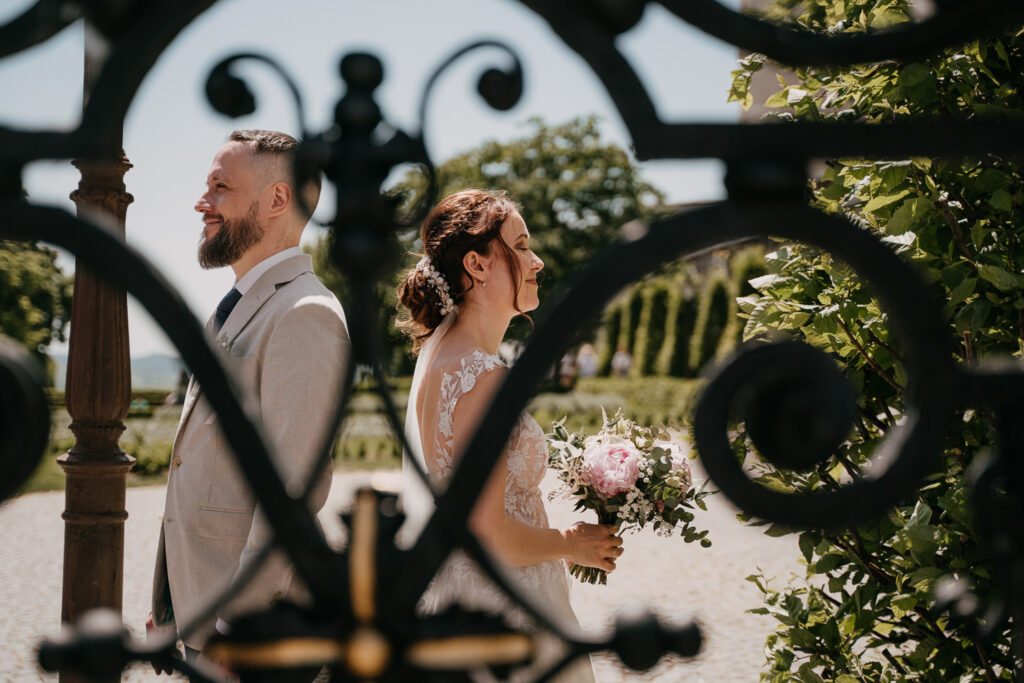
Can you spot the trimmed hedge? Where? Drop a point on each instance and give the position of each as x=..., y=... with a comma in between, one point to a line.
x=713, y=312
x=630, y=319
x=649, y=400
x=650, y=332
x=681, y=319
x=368, y=451
x=612, y=325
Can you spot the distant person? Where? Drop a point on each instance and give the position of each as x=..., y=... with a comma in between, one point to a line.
x=567, y=370
x=587, y=361
x=288, y=345
x=621, y=362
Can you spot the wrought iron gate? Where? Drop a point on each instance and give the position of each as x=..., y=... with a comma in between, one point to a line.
x=382, y=638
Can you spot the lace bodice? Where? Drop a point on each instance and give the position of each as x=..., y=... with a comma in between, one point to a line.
x=526, y=462
x=526, y=452
x=460, y=580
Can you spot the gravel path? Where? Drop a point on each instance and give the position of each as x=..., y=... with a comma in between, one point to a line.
x=678, y=580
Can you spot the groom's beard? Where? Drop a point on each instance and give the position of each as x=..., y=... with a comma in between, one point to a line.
x=232, y=240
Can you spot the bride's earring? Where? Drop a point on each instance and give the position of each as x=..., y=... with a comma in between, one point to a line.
x=484, y=283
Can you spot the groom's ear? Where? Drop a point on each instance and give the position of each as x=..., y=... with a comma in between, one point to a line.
x=476, y=266
x=280, y=198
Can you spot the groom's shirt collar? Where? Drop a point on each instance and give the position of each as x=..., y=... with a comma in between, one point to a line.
x=250, y=278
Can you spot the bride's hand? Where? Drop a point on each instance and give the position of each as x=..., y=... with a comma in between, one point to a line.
x=592, y=545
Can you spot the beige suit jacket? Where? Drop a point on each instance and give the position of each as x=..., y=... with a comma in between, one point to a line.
x=288, y=344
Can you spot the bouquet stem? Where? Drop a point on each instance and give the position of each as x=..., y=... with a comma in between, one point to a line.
x=593, y=574
x=589, y=574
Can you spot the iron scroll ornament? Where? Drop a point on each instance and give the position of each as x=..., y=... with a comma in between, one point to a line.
x=639, y=642
x=666, y=240
x=139, y=31
x=591, y=28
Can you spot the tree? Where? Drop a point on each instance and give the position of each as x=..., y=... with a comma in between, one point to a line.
x=865, y=613
x=35, y=296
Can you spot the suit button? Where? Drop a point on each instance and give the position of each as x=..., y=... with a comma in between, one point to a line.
x=176, y=461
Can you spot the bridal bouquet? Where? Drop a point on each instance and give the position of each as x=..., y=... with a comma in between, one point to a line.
x=631, y=476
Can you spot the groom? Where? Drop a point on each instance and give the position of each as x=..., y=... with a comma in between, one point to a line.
x=285, y=338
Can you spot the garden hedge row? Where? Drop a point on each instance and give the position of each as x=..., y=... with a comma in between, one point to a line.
x=677, y=323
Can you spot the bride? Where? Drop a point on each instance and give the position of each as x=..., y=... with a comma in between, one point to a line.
x=478, y=272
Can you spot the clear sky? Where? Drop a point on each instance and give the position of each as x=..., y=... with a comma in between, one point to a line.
x=171, y=132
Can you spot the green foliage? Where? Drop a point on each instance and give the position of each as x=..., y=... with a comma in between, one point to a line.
x=149, y=437
x=745, y=265
x=362, y=452
x=609, y=336
x=367, y=440
x=650, y=400
x=714, y=310
x=682, y=336
x=650, y=332
x=630, y=319
x=663, y=360
x=35, y=296
x=151, y=458
x=48, y=475
x=655, y=321
x=866, y=612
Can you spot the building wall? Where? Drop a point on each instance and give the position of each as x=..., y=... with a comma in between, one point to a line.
x=765, y=82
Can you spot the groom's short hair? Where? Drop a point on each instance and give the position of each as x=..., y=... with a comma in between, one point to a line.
x=282, y=146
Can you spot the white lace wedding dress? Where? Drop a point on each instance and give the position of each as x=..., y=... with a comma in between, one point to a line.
x=526, y=462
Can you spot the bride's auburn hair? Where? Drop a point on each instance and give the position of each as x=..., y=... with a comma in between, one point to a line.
x=466, y=221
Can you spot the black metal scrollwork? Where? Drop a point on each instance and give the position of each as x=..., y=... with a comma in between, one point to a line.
x=24, y=417
x=230, y=96
x=365, y=632
x=951, y=23
x=779, y=384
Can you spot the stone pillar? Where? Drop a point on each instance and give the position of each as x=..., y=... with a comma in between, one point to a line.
x=98, y=395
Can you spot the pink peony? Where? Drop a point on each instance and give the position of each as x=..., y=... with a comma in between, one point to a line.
x=611, y=468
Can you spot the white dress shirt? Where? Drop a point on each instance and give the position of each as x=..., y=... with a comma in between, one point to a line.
x=249, y=279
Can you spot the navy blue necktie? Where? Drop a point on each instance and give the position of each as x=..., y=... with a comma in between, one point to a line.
x=225, y=307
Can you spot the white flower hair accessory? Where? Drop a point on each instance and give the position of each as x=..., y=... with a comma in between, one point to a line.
x=439, y=283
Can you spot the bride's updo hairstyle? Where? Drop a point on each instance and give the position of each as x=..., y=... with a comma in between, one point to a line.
x=466, y=221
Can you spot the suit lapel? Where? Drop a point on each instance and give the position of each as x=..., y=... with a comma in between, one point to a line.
x=261, y=291
x=190, y=399
x=247, y=307
x=193, y=391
